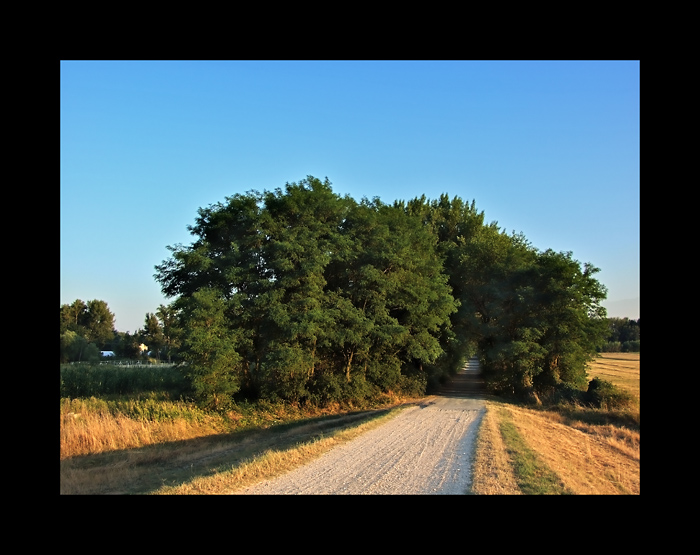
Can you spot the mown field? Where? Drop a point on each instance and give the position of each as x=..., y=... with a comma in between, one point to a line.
x=564, y=450
x=620, y=368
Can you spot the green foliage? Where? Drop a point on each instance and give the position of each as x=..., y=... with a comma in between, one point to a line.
x=91, y=353
x=542, y=321
x=152, y=410
x=67, y=339
x=414, y=385
x=630, y=346
x=302, y=295
x=153, y=334
x=126, y=345
x=214, y=365
x=564, y=394
x=86, y=380
x=623, y=329
x=309, y=290
x=612, y=347
x=606, y=395
x=92, y=320
x=170, y=328
x=284, y=375
x=76, y=348
x=622, y=336
x=146, y=409
x=85, y=329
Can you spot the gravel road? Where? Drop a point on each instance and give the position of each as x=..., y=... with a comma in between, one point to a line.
x=426, y=449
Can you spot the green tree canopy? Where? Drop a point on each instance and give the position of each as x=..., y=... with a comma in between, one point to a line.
x=153, y=334
x=302, y=294
x=170, y=326
x=316, y=292
x=91, y=327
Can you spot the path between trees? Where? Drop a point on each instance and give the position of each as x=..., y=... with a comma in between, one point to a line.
x=426, y=449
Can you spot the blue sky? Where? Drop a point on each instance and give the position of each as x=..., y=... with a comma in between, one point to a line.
x=549, y=149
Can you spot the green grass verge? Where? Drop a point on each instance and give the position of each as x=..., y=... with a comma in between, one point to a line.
x=532, y=475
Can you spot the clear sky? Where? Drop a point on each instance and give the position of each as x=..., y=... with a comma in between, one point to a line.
x=549, y=149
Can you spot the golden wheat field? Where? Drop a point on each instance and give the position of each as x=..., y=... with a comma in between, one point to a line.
x=619, y=368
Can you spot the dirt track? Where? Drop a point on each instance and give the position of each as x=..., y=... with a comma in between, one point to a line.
x=426, y=449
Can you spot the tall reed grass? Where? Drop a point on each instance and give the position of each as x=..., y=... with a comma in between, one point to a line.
x=95, y=426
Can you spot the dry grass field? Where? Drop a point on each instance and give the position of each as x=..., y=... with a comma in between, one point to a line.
x=207, y=463
x=106, y=453
x=587, y=459
x=622, y=369
x=88, y=428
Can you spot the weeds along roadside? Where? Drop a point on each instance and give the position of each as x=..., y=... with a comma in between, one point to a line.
x=106, y=408
x=93, y=425
x=145, y=442
x=218, y=463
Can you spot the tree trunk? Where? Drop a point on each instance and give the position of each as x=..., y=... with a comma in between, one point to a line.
x=347, y=368
x=313, y=360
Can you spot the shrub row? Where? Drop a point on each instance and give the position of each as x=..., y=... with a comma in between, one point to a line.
x=600, y=394
x=621, y=347
x=85, y=380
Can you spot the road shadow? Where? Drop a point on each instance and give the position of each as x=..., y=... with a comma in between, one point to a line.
x=468, y=383
x=147, y=469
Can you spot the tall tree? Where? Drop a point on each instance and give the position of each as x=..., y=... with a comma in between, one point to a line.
x=99, y=322
x=153, y=334
x=572, y=319
x=92, y=322
x=394, y=300
x=214, y=365
x=456, y=224
x=73, y=317
x=168, y=317
x=302, y=236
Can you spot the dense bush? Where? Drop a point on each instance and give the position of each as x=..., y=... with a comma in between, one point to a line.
x=85, y=380
x=413, y=386
x=606, y=395
x=630, y=346
x=565, y=393
x=612, y=347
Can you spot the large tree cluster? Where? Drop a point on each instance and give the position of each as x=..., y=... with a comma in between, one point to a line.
x=85, y=329
x=302, y=294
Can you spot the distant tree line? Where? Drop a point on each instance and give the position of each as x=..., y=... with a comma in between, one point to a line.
x=623, y=336
x=87, y=329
